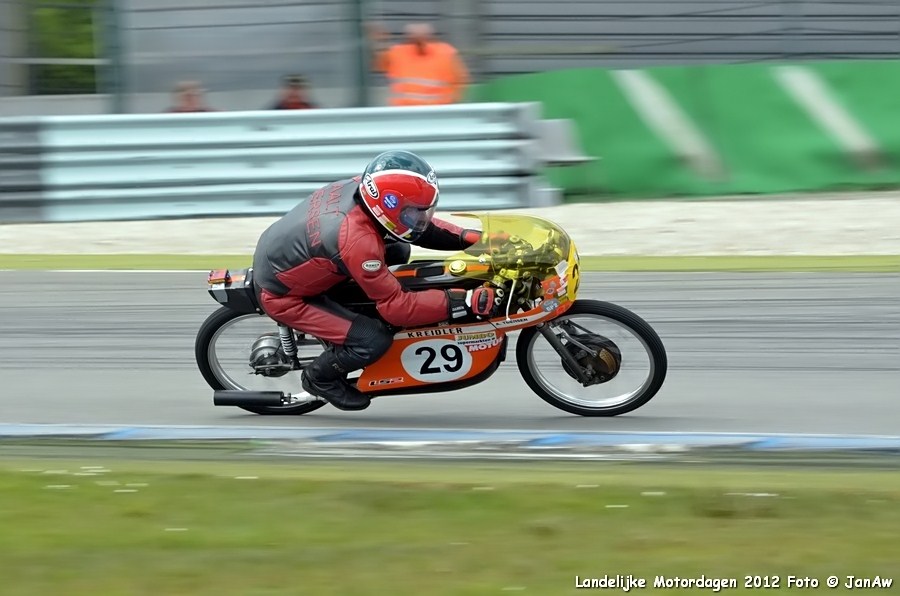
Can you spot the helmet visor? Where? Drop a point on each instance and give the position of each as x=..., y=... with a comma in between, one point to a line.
x=416, y=219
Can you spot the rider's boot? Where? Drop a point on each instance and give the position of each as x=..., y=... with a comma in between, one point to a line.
x=326, y=378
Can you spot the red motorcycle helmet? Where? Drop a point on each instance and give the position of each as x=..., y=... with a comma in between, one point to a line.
x=400, y=190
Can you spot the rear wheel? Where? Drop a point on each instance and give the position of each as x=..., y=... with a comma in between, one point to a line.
x=222, y=351
x=622, y=357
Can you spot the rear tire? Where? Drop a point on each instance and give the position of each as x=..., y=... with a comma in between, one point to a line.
x=205, y=336
x=625, y=317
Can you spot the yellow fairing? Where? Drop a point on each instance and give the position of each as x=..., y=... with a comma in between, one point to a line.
x=574, y=272
x=519, y=247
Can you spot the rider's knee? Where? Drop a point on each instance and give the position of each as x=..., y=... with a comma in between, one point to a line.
x=367, y=340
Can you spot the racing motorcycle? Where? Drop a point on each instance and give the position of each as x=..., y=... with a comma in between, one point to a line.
x=582, y=356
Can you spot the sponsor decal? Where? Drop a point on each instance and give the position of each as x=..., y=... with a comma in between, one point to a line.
x=370, y=185
x=390, y=201
x=377, y=211
x=561, y=269
x=550, y=305
x=373, y=265
x=431, y=178
x=383, y=382
x=474, y=338
x=518, y=321
x=433, y=332
x=509, y=323
x=485, y=345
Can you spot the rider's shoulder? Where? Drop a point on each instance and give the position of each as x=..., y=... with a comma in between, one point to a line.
x=359, y=228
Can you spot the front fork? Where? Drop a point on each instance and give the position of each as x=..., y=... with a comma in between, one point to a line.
x=549, y=331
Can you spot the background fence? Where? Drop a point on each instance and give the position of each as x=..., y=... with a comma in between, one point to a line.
x=134, y=51
x=146, y=166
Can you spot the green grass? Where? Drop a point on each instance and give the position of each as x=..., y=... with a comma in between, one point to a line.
x=306, y=527
x=865, y=263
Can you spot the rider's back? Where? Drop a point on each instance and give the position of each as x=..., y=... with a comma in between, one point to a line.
x=300, y=254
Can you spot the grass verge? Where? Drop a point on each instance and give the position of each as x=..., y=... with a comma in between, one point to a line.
x=863, y=263
x=304, y=527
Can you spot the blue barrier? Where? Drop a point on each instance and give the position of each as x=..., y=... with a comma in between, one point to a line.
x=528, y=440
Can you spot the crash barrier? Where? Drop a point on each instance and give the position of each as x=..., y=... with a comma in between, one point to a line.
x=55, y=169
x=722, y=129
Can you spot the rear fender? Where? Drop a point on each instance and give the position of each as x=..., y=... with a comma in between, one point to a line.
x=234, y=290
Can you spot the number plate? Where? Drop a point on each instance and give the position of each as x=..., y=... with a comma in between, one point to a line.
x=436, y=360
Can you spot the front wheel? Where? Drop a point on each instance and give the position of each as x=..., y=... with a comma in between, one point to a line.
x=222, y=351
x=615, y=361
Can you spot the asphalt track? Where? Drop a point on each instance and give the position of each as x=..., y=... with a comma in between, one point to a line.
x=780, y=353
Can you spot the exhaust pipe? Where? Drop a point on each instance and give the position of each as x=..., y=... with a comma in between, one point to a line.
x=249, y=398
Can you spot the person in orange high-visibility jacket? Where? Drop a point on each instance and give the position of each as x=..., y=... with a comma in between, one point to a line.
x=422, y=71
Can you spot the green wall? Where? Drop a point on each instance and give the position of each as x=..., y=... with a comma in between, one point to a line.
x=766, y=140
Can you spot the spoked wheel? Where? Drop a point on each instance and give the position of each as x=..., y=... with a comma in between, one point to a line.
x=222, y=350
x=615, y=361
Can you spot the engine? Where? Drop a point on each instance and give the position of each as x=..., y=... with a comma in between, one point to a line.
x=267, y=357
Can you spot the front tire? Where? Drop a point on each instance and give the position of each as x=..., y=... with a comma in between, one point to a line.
x=636, y=327
x=203, y=348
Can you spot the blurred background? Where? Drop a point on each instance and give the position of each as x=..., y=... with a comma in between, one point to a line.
x=93, y=56
x=784, y=104
x=716, y=97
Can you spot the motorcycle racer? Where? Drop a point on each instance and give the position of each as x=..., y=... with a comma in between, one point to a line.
x=355, y=229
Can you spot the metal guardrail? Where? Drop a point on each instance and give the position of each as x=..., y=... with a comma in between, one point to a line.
x=488, y=156
x=20, y=172
x=475, y=121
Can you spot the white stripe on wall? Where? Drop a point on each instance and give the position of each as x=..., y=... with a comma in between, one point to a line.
x=659, y=111
x=813, y=95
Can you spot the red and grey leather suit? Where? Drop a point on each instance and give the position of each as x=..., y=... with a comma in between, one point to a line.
x=327, y=239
